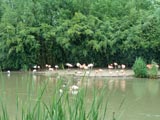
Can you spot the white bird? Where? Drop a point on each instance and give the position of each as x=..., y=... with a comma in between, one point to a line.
x=81, y=66
x=78, y=64
x=119, y=66
x=61, y=91
x=90, y=65
x=50, y=69
x=74, y=87
x=69, y=65
x=115, y=64
x=35, y=66
x=56, y=66
x=110, y=66
x=8, y=71
x=34, y=70
x=49, y=66
x=85, y=67
x=46, y=65
x=123, y=66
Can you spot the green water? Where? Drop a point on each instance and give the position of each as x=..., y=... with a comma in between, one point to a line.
x=141, y=96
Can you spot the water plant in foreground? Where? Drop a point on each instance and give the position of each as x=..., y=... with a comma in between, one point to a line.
x=60, y=106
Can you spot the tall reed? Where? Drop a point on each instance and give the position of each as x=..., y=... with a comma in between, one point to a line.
x=61, y=106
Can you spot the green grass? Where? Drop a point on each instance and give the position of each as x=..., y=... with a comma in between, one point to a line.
x=61, y=106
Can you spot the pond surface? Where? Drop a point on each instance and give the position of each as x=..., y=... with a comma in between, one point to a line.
x=140, y=98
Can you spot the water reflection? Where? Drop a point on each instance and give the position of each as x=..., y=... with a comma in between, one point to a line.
x=123, y=85
x=117, y=84
x=153, y=87
x=40, y=79
x=142, y=95
x=139, y=87
x=110, y=84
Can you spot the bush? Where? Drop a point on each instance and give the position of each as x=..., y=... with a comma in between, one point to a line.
x=153, y=71
x=139, y=68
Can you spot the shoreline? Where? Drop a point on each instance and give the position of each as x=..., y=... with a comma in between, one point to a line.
x=88, y=73
x=91, y=72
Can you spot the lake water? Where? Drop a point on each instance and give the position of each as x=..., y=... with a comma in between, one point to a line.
x=140, y=97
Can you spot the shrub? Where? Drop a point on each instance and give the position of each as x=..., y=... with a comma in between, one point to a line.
x=153, y=71
x=139, y=68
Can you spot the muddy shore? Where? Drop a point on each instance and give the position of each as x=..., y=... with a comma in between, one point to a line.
x=92, y=73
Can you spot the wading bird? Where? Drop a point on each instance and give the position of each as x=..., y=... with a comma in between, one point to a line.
x=51, y=69
x=74, y=89
x=90, y=65
x=69, y=65
x=78, y=65
x=34, y=70
x=123, y=66
x=56, y=67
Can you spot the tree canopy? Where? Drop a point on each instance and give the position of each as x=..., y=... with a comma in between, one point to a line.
x=59, y=31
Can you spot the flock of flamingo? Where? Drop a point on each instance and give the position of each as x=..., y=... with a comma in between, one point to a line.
x=89, y=66
x=80, y=66
x=86, y=67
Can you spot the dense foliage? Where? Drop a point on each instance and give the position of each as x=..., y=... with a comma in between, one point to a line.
x=153, y=72
x=140, y=68
x=59, y=31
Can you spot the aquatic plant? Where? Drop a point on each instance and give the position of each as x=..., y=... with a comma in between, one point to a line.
x=61, y=106
x=139, y=68
x=153, y=71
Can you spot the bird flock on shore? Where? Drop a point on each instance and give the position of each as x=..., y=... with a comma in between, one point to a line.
x=86, y=67
x=80, y=66
x=79, y=69
x=115, y=65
